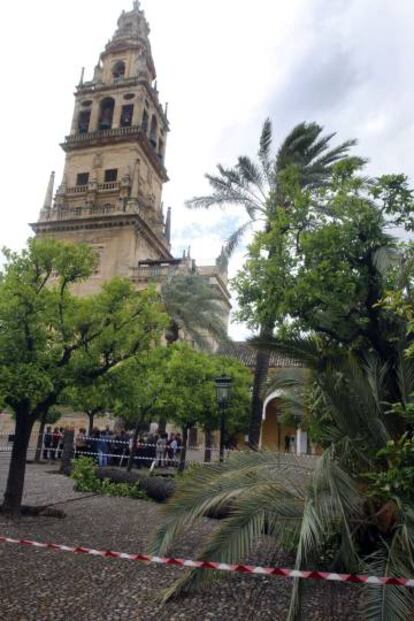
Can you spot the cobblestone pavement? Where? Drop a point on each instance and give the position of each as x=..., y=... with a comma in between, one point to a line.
x=41, y=585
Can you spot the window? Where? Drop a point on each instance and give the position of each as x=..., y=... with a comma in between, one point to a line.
x=106, y=113
x=154, y=131
x=145, y=121
x=111, y=175
x=118, y=71
x=83, y=121
x=82, y=179
x=126, y=115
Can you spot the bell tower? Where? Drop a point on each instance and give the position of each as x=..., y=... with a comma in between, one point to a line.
x=110, y=193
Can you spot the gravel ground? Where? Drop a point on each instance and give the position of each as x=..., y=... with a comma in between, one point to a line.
x=41, y=585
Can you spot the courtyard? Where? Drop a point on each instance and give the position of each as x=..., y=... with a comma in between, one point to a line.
x=46, y=585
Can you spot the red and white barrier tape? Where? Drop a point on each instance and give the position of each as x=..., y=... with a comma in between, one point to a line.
x=238, y=568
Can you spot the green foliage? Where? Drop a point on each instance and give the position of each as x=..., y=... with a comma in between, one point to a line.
x=325, y=263
x=326, y=273
x=187, y=393
x=85, y=474
x=52, y=416
x=137, y=387
x=397, y=480
x=262, y=189
x=95, y=399
x=327, y=514
x=51, y=340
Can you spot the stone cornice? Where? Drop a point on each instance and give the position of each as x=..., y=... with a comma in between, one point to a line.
x=104, y=222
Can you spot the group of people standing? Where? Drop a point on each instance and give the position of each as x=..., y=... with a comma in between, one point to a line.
x=114, y=449
x=53, y=443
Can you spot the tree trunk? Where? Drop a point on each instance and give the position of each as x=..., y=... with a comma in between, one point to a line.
x=67, y=453
x=39, y=445
x=260, y=375
x=162, y=426
x=207, y=445
x=15, y=481
x=183, y=451
x=91, y=417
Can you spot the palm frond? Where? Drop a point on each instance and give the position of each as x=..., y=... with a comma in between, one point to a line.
x=263, y=495
x=235, y=238
x=195, y=307
x=264, y=148
x=303, y=349
x=250, y=173
x=383, y=603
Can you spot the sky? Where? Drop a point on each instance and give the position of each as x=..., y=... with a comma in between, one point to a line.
x=223, y=66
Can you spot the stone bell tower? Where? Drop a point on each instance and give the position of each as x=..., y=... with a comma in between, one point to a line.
x=110, y=194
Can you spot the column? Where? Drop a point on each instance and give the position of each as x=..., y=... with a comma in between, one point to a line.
x=301, y=442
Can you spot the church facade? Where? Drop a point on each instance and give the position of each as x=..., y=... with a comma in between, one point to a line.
x=110, y=196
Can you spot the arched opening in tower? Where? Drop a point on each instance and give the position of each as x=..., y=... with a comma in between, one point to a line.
x=118, y=71
x=154, y=132
x=83, y=121
x=106, y=113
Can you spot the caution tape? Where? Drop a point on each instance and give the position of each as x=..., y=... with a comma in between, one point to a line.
x=236, y=568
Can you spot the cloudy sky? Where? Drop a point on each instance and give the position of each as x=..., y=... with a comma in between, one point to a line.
x=223, y=66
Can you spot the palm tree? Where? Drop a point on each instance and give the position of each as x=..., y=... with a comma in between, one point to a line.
x=195, y=308
x=256, y=187
x=331, y=509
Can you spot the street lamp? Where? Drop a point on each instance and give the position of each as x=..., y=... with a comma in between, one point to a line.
x=224, y=385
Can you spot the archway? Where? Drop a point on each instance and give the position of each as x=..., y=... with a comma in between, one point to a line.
x=106, y=113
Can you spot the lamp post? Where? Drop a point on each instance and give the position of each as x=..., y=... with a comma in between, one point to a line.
x=223, y=390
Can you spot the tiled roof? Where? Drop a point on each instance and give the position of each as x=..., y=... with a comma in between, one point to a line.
x=247, y=355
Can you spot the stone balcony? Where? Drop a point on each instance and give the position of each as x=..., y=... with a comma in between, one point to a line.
x=87, y=211
x=158, y=270
x=100, y=137
x=112, y=186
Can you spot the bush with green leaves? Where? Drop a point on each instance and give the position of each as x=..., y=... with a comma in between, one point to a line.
x=397, y=480
x=85, y=474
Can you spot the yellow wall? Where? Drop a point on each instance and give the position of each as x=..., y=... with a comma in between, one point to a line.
x=273, y=433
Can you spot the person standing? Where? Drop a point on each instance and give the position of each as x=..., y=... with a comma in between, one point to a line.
x=55, y=443
x=173, y=450
x=61, y=434
x=103, y=449
x=47, y=443
x=160, y=450
x=80, y=443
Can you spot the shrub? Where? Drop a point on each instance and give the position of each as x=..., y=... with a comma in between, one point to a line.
x=398, y=478
x=85, y=473
x=158, y=488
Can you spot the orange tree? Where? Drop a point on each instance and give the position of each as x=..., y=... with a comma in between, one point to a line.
x=51, y=340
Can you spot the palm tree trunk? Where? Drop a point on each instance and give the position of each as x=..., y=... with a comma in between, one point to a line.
x=183, y=452
x=91, y=418
x=207, y=445
x=15, y=481
x=260, y=375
